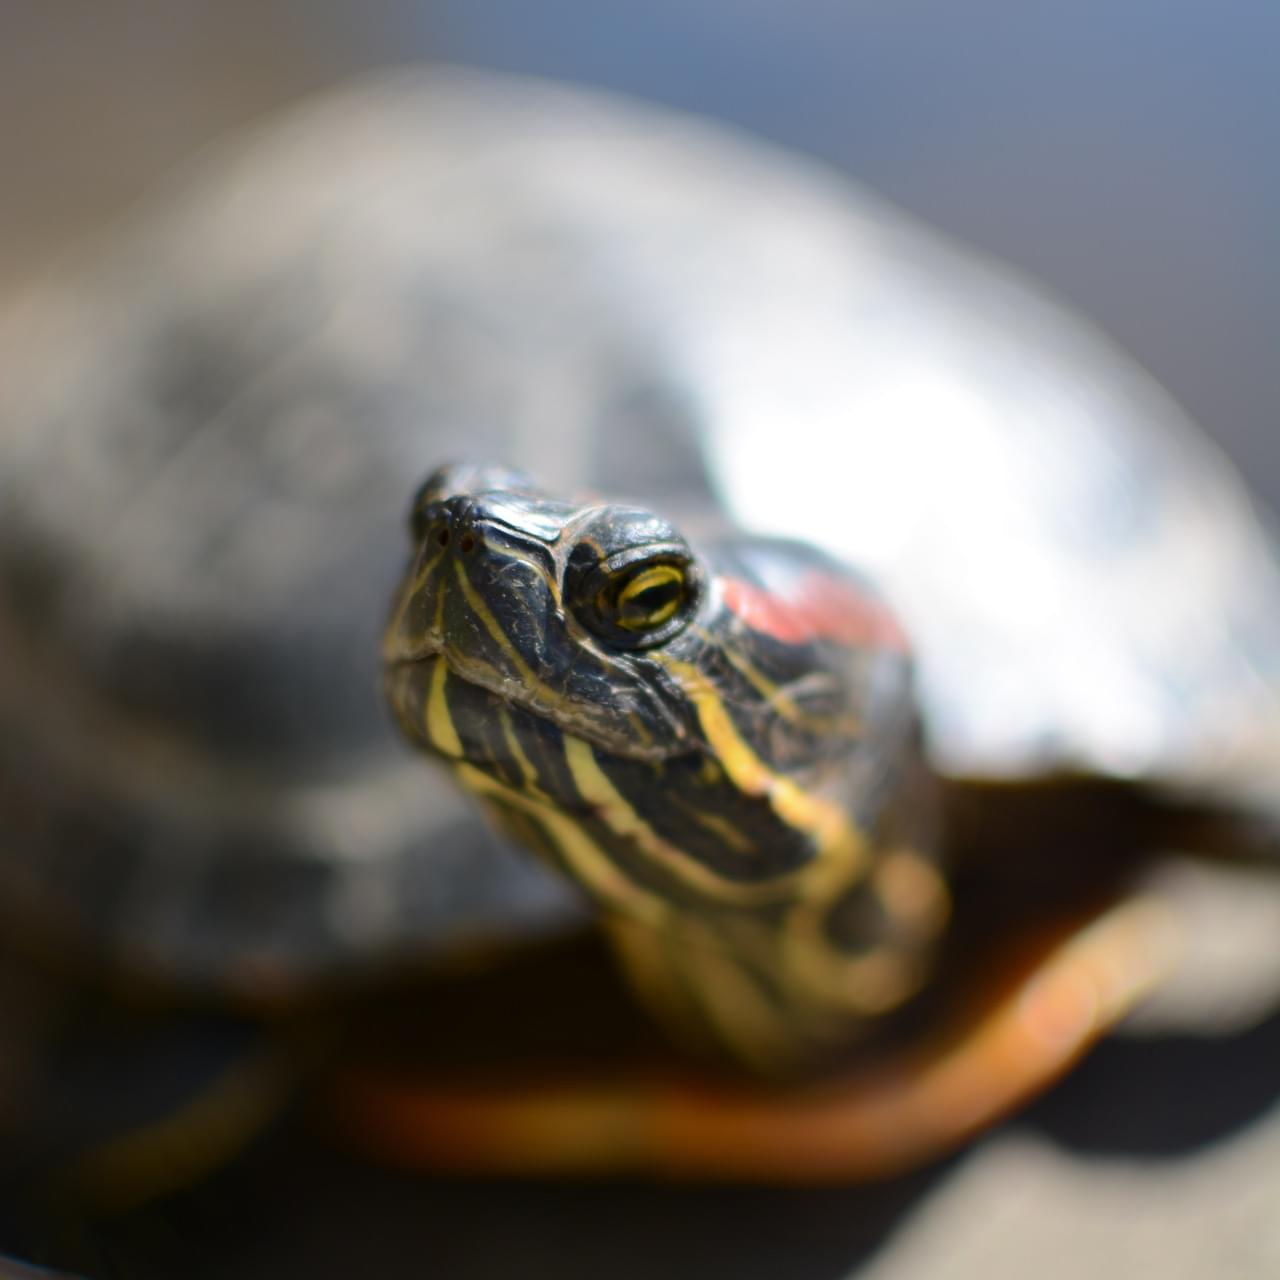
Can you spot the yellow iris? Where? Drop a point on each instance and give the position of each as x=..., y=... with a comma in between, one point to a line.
x=650, y=598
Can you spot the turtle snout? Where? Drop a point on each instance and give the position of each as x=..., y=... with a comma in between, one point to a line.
x=454, y=526
x=478, y=591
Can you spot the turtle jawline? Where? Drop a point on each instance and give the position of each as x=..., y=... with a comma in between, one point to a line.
x=510, y=693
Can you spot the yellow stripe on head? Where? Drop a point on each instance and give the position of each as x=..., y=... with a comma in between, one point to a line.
x=480, y=607
x=826, y=824
x=778, y=700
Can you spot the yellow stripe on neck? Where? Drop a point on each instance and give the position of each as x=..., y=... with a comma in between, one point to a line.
x=837, y=840
x=440, y=727
x=593, y=868
x=621, y=818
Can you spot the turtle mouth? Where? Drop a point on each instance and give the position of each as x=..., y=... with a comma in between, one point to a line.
x=433, y=687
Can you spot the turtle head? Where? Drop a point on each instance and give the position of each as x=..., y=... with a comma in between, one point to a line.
x=717, y=744
x=518, y=604
x=666, y=724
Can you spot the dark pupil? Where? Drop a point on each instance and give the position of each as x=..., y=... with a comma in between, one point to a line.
x=651, y=600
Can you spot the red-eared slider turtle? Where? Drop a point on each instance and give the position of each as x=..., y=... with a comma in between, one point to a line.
x=211, y=433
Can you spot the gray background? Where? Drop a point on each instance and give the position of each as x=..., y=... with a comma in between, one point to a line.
x=1126, y=154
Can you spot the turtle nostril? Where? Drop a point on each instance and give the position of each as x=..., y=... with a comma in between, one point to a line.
x=443, y=537
x=467, y=543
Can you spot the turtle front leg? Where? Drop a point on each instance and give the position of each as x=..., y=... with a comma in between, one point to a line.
x=1040, y=1015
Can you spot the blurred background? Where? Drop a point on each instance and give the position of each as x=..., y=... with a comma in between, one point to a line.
x=1125, y=155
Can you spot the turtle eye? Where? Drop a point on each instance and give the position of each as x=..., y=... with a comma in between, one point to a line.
x=632, y=580
x=640, y=602
x=647, y=598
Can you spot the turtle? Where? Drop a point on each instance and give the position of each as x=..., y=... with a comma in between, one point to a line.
x=770, y=775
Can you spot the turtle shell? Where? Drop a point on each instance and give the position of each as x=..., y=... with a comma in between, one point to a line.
x=212, y=423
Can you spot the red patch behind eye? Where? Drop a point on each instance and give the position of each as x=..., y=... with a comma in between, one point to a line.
x=818, y=606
